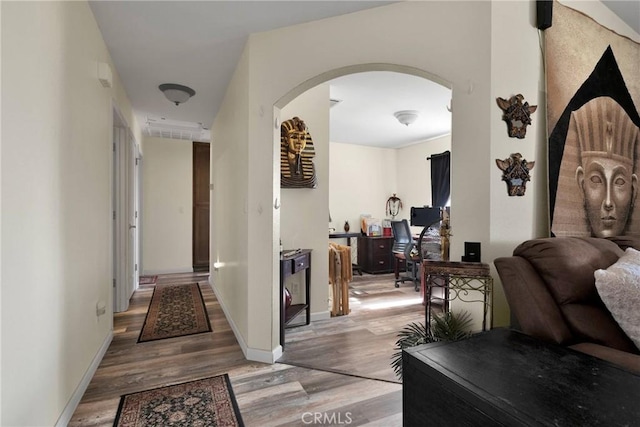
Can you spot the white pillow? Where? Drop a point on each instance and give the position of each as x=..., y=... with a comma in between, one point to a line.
x=619, y=288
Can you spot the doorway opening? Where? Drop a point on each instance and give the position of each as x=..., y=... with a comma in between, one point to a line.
x=126, y=209
x=358, y=179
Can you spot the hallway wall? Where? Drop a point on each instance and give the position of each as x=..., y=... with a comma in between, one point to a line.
x=56, y=191
x=168, y=205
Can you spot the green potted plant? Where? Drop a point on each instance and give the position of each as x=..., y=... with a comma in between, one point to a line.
x=444, y=327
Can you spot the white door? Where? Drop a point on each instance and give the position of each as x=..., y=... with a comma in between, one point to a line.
x=125, y=216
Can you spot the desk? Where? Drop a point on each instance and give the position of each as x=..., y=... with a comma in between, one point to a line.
x=289, y=265
x=506, y=378
x=348, y=236
x=457, y=279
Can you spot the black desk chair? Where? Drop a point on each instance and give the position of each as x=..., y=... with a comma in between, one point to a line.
x=402, y=247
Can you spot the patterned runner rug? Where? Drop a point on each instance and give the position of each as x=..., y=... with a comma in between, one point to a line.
x=208, y=402
x=175, y=311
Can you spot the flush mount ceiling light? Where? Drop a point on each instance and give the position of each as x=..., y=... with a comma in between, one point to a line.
x=406, y=117
x=176, y=93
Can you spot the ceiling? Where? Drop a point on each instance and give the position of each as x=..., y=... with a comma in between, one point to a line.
x=198, y=44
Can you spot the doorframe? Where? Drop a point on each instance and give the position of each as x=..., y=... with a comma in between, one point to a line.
x=125, y=199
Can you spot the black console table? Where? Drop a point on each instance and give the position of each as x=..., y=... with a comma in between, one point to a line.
x=506, y=378
x=293, y=262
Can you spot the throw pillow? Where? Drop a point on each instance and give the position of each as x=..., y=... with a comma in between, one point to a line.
x=619, y=289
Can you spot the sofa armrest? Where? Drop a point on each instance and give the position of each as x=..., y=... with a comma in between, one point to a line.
x=621, y=358
x=532, y=304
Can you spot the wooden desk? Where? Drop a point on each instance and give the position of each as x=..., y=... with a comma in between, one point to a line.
x=506, y=378
x=348, y=236
x=457, y=279
x=289, y=265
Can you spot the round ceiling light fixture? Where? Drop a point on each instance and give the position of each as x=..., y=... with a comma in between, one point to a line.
x=176, y=93
x=406, y=117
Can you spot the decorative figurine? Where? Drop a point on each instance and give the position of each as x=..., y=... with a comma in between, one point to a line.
x=516, y=114
x=296, y=153
x=394, y=205
x=445, y=234
x=516, y=173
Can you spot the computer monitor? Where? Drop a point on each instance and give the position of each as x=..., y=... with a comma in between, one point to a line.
x=425, y=216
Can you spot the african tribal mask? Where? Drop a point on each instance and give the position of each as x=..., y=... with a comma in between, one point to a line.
x=516, y=114
x=296, y=153
x=516, y=173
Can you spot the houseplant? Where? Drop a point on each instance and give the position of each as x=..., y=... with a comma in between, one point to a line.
x=448, y=326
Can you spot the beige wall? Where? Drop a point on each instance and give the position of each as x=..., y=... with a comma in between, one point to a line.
x=463, y=62
x=361, y=180
x=56, y=198
x=302, y=207
x=230, y=237
x=474, y=60
x=167, y=179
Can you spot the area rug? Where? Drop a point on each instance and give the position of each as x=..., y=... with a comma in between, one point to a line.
x=208, y=402
x=175, y=311
x=148, y=280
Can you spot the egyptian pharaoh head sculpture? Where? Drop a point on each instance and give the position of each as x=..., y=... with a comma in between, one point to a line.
x=296, y=153
x=517, y=115
x=607, y=139
x=515, y=171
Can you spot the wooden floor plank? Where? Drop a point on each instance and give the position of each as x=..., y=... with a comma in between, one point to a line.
x=332, y=368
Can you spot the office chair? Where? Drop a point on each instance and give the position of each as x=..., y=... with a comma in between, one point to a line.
x=402, y=247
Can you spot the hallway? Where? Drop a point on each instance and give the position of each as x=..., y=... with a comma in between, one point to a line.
x=268, y=395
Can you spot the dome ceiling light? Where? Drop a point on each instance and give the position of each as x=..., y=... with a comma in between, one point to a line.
x=406, y=117
x=175, y=93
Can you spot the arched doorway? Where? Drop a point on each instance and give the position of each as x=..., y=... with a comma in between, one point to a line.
x=301, y=200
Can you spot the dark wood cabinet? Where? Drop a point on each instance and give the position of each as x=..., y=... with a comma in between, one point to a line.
x=506, y=378
x=374, y=254
x=200, y=238
x=294, y=262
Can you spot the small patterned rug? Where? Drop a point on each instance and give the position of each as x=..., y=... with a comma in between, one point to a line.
x=175, y=311
x=209, y=402
x=148, y=280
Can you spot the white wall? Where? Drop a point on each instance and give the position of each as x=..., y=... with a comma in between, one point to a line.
x=167, y=199
x=463, y=61
x=56, y=216
x=304, y=207
x=229, y=205
x=454, y=41
x=361, y=180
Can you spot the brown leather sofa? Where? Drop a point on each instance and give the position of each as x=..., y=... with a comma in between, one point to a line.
x=550, y=287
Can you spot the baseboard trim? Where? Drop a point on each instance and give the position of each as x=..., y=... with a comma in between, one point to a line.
x=253, y=354
x=167, y=271
x=68, y=411
x=323, y=315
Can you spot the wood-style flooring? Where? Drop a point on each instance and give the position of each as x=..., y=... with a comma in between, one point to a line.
x=333, y=372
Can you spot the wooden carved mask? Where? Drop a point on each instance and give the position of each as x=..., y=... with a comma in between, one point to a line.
x=517, y=115
x=516, y=173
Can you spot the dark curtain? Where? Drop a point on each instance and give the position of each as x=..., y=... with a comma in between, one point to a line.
x=440, y=178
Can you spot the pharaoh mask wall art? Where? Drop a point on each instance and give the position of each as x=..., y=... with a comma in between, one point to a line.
x=515, y=171
x=296, y=155
x=517, y=115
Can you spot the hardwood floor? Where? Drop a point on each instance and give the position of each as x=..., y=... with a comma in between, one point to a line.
x=336, y=369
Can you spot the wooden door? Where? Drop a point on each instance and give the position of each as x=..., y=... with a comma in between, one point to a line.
x=200, y=206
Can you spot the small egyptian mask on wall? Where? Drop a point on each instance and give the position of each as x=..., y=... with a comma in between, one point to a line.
x=517, y=115
x=515, y=171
